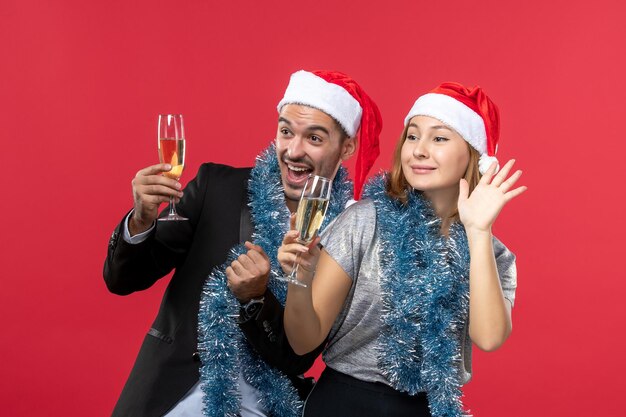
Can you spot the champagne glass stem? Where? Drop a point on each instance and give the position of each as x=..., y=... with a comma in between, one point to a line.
x=294, y=271
x=172, y=212
x=293, y=276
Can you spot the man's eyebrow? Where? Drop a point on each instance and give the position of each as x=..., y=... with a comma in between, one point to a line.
x=318, y=127
x=311, y=128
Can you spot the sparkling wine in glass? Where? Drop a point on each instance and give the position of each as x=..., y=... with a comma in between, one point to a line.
x=310, y=216
x=172, y=151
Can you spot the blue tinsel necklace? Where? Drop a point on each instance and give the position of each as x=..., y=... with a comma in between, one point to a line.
x=223, y=349
x=424, y=280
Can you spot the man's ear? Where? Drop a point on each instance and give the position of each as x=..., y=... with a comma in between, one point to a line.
x=348, y=147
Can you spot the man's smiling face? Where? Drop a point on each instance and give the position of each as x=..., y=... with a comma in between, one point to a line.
x=308, y=141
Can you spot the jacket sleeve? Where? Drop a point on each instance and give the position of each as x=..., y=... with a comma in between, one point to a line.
x=135, y=267
x=267, y=336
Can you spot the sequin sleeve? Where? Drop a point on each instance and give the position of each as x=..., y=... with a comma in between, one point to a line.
x=347, y=238
x=505, y=262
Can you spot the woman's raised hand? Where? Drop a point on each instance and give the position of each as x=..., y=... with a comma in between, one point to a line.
x=479, y=210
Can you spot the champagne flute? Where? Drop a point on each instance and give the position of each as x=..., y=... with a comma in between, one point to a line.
x=172, y=151
x=309, y=217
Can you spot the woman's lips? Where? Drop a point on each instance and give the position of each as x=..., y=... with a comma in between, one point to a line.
x=422, y=169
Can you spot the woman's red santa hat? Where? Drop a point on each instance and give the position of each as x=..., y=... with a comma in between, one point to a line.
x=469, y=112
x=339, y=96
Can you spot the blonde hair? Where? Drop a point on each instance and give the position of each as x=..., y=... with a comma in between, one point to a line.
x=397, y=185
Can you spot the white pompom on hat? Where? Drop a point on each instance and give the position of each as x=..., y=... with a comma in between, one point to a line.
x=339, y=96
x=470, y=112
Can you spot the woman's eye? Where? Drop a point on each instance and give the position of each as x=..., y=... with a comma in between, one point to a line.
x=440, y=139
x=411, y=137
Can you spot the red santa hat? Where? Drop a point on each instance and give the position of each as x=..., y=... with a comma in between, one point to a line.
x=339, y=96
x=469, y=112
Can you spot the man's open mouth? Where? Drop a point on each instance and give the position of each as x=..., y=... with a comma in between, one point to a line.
x=297, y=174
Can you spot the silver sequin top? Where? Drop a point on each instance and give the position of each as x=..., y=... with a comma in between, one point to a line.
x=352, y=241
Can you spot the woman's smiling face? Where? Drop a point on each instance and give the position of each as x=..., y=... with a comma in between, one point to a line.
x=434, y=157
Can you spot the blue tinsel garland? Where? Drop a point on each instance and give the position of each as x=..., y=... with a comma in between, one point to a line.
x=223, y=348
x=425, y=299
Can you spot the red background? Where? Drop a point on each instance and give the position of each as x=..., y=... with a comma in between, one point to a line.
x=81, y=83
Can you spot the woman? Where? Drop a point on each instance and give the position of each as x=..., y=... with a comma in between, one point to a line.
x=408, y=277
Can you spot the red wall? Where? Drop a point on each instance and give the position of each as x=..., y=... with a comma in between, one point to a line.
x=81, y=83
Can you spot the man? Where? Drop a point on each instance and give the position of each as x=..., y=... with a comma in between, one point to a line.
x=193, y=357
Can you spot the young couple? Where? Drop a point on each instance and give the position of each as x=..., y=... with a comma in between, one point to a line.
x=402, y=284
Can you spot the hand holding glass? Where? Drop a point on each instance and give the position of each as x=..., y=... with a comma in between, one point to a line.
x=172, y=151
x=309, y=217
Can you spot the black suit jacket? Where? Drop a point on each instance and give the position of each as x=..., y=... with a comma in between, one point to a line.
x=168, y=365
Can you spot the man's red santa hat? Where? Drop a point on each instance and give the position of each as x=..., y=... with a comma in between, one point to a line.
x=469, y=112
x=339, y=96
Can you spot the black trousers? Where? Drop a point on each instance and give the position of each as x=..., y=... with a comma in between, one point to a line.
x=338, y=394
